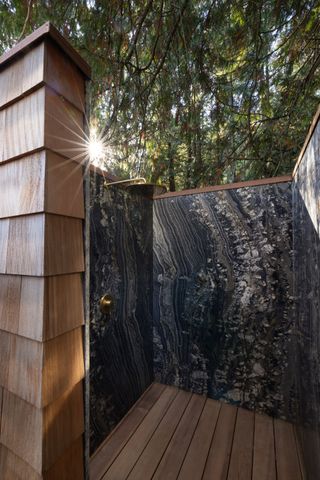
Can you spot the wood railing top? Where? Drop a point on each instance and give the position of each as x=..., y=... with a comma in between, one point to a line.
x=46, y=30
x=227, y=186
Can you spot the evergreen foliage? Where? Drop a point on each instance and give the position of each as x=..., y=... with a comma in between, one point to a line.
x=191, y=93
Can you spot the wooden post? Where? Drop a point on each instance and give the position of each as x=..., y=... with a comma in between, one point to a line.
x=42, y=105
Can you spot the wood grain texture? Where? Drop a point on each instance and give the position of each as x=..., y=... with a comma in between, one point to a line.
x=13, y=467
x=264, y=462
x=4, y=236
x=56, y=124
x=40, y=308
x=227, y=186
x=63, y=365
x=19, y=133
x=1, y=400
x=25, y=247
x=63, y=245
x=151, y=456
x=21, y=430
x=64, y=132
x=22, y=186
x=52, y=245
x=209, y=448
x=49, y=306
x=219, y=455
x=63, y=423
x=47, y=30
x=4, y=358
x=42, y=182
x=288, y=465
x=2, y=133
x=302, y=459
x=111, y=447
x=10, y=294
x=40, y=436
x=63, y=76
x=135, y=446
x=175, y=453
x=41, y=372
x=66, y=467
x=240, y=467
x=32, y=308
x=41, y=349
x=64, y=186
x=195, y=460
x=25, y=368
x=63, y=305
x=21, y=76
x=69, y=465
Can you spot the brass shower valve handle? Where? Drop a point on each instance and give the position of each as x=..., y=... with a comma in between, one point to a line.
x=106, y=303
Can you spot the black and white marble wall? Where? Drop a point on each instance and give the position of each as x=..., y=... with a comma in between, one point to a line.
x=222, y=309
x=306, y=354
x=121, y=342
x=221, y=284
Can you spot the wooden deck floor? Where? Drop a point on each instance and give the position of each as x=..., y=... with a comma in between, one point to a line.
x=172, y=434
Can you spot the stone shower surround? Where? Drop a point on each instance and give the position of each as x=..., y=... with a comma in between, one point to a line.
x=223, y=295
x=305, y=355
x=234, y=282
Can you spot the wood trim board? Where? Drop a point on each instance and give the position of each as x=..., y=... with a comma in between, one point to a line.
x=46, y=30
x=228, y=186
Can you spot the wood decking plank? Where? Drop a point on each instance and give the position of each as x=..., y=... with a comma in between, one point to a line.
x=264, y=462
x=300, y=453
x=195, y=460
x=240, y=467
x=287, y=461
x=174, y=455
x=170, y=434
x=127, y=458
x=219, y=455
x=111, y=447
x=151, y=456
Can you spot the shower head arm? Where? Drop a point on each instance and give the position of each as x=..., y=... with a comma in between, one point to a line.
x=129, y=180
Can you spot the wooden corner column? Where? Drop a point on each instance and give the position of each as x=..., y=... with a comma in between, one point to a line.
x=42, y=106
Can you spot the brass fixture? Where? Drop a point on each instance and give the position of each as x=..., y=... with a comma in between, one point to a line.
x=106, y=303
x=140, y=186
x=129, y=181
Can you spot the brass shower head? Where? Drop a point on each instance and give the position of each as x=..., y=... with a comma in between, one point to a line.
x=129, y=181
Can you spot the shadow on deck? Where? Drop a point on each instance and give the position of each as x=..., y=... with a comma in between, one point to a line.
x=172, y=434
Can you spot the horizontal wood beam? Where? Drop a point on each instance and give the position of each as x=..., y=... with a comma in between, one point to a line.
x=227, y=186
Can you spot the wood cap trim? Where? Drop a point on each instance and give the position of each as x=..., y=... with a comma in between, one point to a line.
x=228, y=186
x=47, y=30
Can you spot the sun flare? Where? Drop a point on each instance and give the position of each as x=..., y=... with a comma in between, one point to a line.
x=96, y=148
